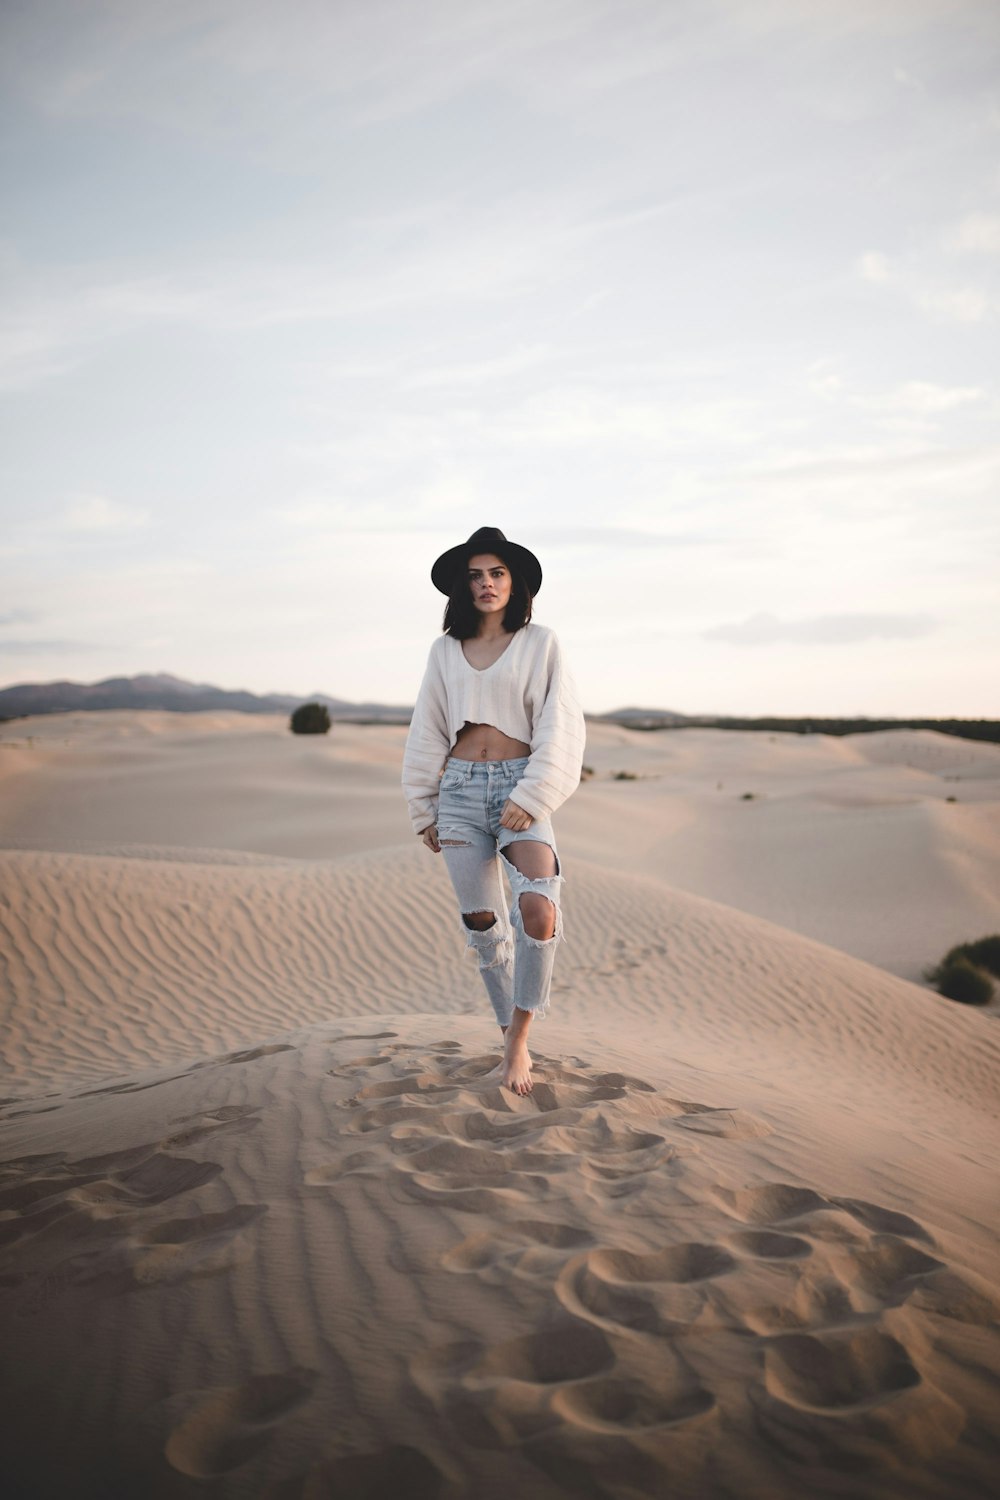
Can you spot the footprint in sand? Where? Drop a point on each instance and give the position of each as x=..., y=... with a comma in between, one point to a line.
x=888, y=1267
x=794, y=1287
x=250, y=1054
x=853, y=1400
x=367, y=1036
x=872, y=1245
x=146, y=1184
x=411, y=1083
x=769, y=1244
x=168, y=1252
x=779, y=1202
x=771, y=1203
x=833, y=1371
x=224, y=1428
x=98, y=1186
x=131, y=1088
x=199, y=1245
x=615, y=1404
x=103, y=1205
x=454, y=1137
x=565, y=1378
x=677, y=1264
x=523, y=1246
x=229, y=1118
x=885, y=1220
x=730, y=1124
x=502, y=1393
x=961, y=1297
x=442, y=1052
x=658, y=1291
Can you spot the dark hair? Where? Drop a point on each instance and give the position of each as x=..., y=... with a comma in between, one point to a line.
x=461, y=617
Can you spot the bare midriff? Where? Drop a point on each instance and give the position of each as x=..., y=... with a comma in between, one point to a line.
x=485, y=742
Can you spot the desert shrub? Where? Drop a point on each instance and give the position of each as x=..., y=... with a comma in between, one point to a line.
x=748, y=796
x=586, y=772
x=983, y=952
x=964, y=981
x=310, y=718
x=625, y=776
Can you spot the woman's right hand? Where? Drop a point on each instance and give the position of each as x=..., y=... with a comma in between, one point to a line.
x=430, y=837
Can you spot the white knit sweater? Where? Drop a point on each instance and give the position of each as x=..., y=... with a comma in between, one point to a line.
x=528, y=693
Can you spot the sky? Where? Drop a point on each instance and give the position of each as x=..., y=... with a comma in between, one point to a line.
x=698, y=301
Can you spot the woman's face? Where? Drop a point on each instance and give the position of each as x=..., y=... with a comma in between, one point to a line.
x=490, y=582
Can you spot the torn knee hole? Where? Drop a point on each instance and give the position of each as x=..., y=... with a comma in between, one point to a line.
x=479, y=921
x=520, y=844
x=538, y=916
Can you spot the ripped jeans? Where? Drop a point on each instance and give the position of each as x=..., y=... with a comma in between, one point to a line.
x=516, y=968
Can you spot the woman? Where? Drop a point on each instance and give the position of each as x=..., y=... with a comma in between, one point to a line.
x=495, y=746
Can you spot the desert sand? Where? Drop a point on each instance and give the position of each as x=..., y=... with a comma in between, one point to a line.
x=269, y=1228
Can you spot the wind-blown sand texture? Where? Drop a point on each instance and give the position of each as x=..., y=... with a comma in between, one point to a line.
x=268, y=1227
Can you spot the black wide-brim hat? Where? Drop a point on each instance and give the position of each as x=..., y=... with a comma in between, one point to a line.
x=446, y=570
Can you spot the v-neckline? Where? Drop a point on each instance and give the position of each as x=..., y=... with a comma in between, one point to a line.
x=481, y=670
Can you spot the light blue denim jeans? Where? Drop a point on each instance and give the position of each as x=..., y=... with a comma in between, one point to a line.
x=516, y=968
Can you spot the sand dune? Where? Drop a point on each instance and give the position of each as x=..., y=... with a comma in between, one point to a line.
x=271, y=1228
x=847, y=840
x=345, y=1261
x=116, y=962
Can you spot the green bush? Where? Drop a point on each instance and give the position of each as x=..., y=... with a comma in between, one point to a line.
x=625, y=776
x=960, y=980
x=310, y=718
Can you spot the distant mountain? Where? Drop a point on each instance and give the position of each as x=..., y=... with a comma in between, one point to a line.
x=641, y=718
x=162, y=690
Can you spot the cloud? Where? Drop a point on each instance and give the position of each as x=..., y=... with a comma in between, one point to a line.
x=927, y=290
x=98, y=513
x=977, y=234
x=863, y=466
x=922, y=399
x=873, y=266
x=924, y=396
x=764, y=629
x=958, y=304
x=54, y=319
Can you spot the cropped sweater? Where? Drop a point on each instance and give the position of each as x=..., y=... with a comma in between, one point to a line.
x=528, y=693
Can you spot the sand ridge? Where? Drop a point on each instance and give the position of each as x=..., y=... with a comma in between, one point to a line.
x=121, y=954
x=850, y=840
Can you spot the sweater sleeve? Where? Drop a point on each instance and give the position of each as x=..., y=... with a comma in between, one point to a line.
x=427, y=746
x=558, y=736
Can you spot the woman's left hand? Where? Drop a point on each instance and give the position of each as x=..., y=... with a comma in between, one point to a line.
x=515, y=817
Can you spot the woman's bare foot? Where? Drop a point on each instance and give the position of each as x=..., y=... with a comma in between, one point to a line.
x=500, y=1067
x=516, y=1068
x=516, y=1065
